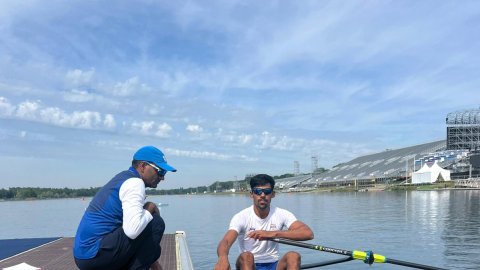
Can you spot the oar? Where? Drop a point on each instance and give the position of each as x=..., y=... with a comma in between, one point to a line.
x=325, y=263
x=368, y=256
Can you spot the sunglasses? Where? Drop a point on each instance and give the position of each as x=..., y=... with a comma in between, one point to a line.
x=160, y=171
x=259, y=191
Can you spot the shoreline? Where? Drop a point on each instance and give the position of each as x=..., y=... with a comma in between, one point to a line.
x=278, y=191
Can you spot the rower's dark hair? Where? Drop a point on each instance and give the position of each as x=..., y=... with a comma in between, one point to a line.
x=262, y=179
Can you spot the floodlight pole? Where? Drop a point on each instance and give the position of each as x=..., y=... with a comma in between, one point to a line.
x=406, y=170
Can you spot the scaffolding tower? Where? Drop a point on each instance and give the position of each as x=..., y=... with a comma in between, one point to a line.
x=296, y=168
x=463, y=130
x=314, y=163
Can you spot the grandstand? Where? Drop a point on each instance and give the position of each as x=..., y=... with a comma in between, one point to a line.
x=291, y=182
x=385, y=167
x=457, y=153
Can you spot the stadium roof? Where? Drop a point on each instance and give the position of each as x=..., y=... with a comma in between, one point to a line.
x=390, y=163
x=465, y=117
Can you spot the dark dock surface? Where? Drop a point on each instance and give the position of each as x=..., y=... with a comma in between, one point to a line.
x=57, y=254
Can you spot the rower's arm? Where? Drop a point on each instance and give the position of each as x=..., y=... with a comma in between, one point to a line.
x=297, y=231
x=223, y=249
x=227, y=241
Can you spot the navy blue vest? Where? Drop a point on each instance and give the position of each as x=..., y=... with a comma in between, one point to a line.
x=103, y=215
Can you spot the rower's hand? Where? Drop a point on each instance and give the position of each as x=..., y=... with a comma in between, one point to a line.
x=262, y=235
x=222, y=264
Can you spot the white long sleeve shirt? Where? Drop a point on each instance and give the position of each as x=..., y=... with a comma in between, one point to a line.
x=135, y=218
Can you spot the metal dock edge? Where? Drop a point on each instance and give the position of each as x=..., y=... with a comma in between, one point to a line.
x=184, y=262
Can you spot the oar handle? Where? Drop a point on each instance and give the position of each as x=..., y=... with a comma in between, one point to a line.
x=315, y=247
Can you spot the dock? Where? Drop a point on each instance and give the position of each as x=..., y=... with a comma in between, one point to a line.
x=57, y=253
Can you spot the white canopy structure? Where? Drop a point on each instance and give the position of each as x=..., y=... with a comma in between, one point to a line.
x=430, y=173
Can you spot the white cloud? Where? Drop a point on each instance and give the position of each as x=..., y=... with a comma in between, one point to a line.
x=79, y=77
x=109, y=121
x=54, y=116
x=232, y=137
x=35, y=111
x=198, y=154
x=144, y=127
x=208, y=155
x=129, y=87
x=194, y=128
x=86, y=119
x=77, y=119
x=163, y=130
x=270, y=141
x=152, y=129
x=27, y=110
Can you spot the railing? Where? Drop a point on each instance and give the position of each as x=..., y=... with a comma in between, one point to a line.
x=468, y=183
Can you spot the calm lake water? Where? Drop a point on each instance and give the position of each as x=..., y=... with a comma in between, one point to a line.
x=439, y=228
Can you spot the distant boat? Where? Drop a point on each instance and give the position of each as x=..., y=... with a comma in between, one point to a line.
x=162, y=204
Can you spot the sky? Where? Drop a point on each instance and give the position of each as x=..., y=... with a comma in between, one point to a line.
x=225, y=88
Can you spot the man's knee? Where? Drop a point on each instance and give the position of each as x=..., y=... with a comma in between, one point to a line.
x=293, y=257
x=246, y=258
x=293, y=254
x=247, y=255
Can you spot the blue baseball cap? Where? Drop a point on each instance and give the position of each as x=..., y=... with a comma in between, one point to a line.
x=153, y=154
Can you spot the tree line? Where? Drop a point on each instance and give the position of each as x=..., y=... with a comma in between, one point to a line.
x=23, y=193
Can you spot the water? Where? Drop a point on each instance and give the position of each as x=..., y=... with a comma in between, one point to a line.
x=439, y=228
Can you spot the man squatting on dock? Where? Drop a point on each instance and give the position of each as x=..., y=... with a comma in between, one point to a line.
x=256, y=224
x=119, y=230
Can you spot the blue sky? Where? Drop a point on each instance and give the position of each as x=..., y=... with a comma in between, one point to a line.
x=225, y=88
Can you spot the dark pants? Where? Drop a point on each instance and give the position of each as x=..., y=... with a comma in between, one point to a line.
x=117, y=251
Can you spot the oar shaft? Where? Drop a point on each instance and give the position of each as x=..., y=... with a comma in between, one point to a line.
x=358, y=255
x=413, y=265
x=320, y=264
x=310, y=246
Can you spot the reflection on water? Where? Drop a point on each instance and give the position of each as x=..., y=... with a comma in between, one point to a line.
x=461, y=234
x=439, y=228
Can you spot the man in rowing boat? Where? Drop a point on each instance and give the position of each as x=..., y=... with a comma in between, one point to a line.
x=255, y=225
x=119, y=230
